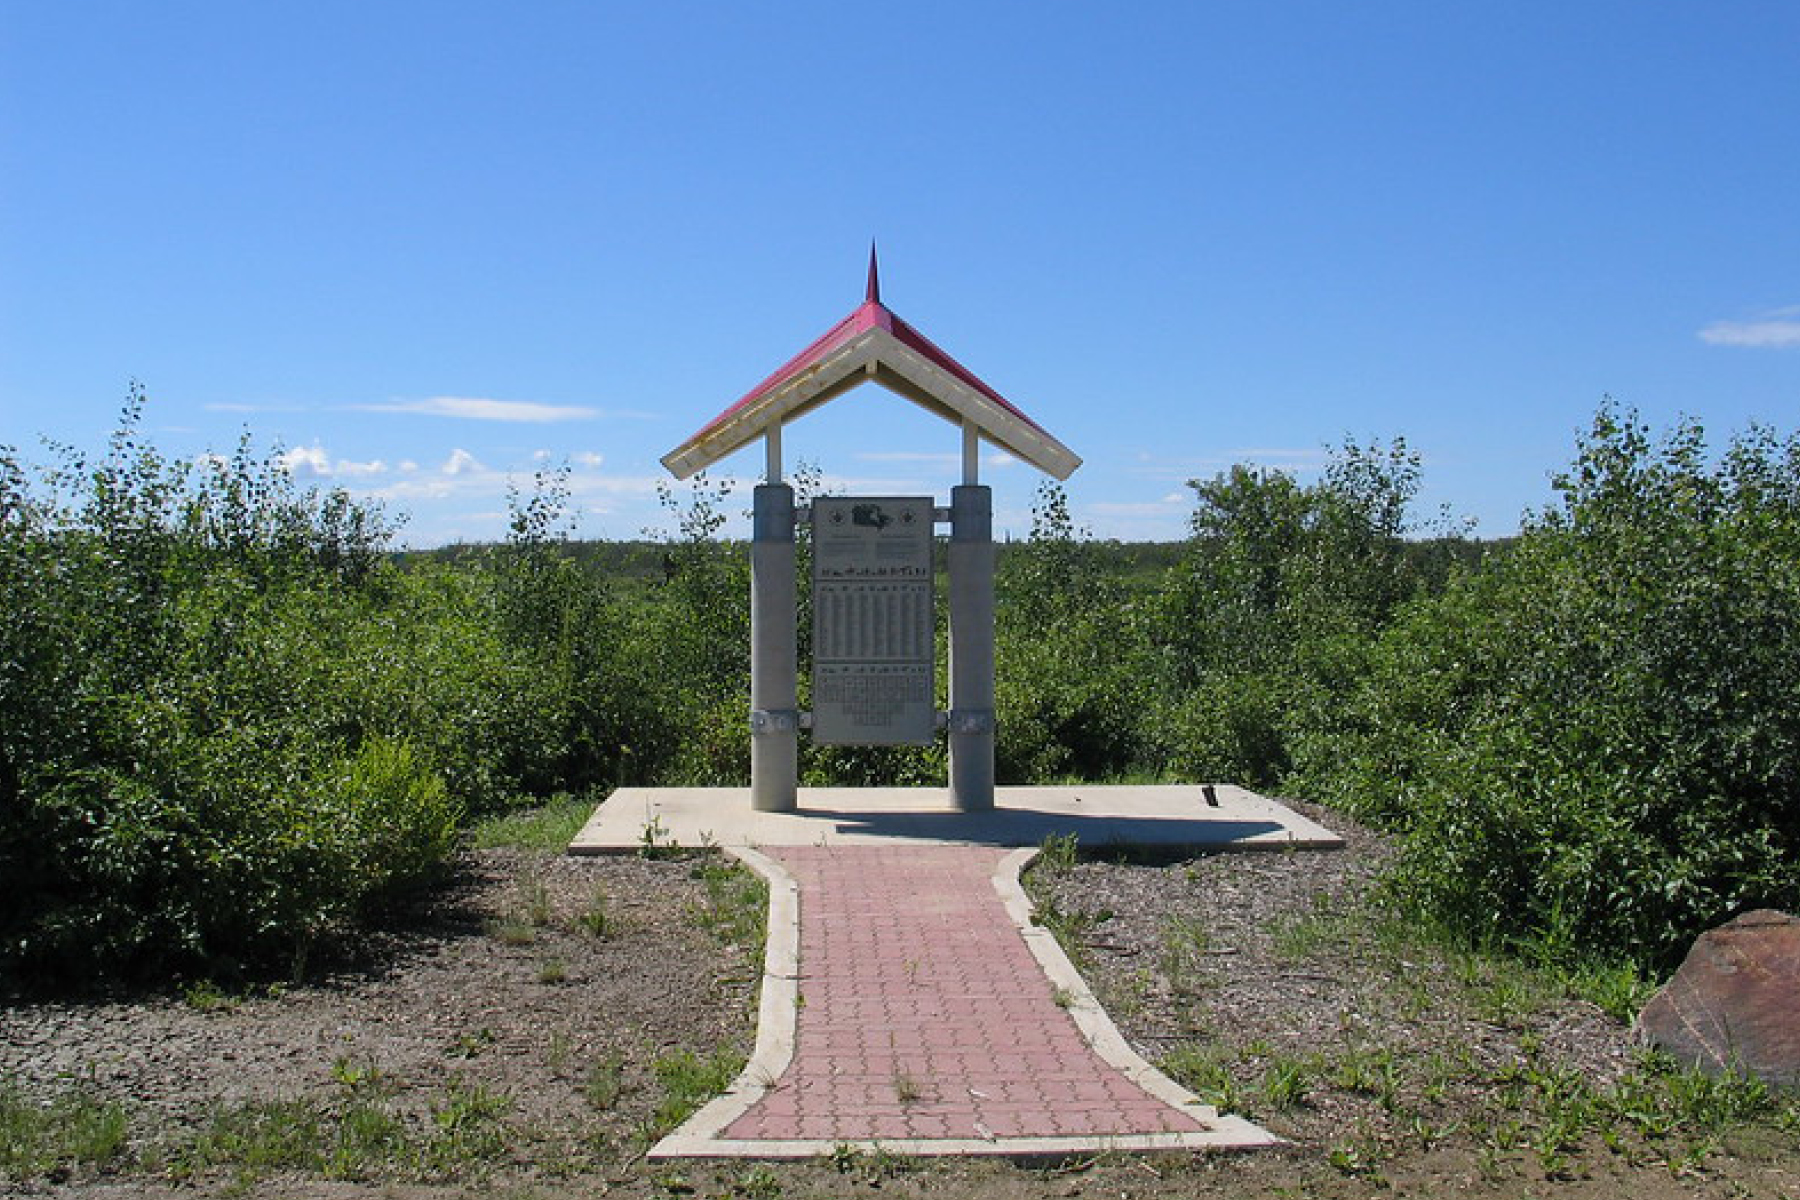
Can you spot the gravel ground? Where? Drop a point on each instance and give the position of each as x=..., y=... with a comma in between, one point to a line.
x=1257, y=977
x=495, y=984
x=1268, y=958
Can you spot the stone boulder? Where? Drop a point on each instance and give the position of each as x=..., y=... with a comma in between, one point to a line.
x=1735, y=1003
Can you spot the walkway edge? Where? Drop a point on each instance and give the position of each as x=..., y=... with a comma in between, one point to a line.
x=1223, y=1129
x=777, y=1020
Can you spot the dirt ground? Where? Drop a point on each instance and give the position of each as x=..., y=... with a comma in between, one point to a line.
x=1260, y=979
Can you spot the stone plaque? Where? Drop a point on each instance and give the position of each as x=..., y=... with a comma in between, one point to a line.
x=874, y=641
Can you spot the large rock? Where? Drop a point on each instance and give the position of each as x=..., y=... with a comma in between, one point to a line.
x=1735, y=1003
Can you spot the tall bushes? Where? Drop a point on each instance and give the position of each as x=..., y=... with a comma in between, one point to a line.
x=1071, y=694
x=1593, y=745
x=1262, y=625
x=190, y=773
x=232, y=722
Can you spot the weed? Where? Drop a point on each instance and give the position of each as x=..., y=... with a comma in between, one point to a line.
x=1057, y=855
x=605, y=1083
x=1298, y=937
x=549, y=827
x=534, y=898
x=906, y=1088
x=73, y=1128
x=511, y=931
x=469, y=1045
x=1185, y=944
x=595, y=917
x=1348, y=1158
x=871, y=1167
x=368, y=1140
x=553, y=970
x=1070, y=927
x=1617, y=989
x=257, y=1137
x=558, y=1052
x=358, y=1080
x=203, y=995
x=1709, y=1103
x=1206, y=1071
x=1062, y=997
x=1285, y=1082
x=1134, y=993
x=736, y=907
x=468, y=1125
x=688, y=1081
x=655, y=841
x=757, y=1183
x=1502, y=992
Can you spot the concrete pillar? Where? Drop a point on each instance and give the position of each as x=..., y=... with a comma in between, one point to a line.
x=971, y=648
x=774, y=689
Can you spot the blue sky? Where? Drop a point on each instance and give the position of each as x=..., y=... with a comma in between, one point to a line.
x=424, y=247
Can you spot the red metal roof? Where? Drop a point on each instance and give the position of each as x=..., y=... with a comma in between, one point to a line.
x=870, y=314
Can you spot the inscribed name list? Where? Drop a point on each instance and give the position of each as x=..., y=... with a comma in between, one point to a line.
x=873, y=622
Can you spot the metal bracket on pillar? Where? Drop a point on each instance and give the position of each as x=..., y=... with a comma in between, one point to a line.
x=774, y=720
x=971, y=720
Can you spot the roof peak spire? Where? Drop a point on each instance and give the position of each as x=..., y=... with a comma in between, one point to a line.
x=873, y=294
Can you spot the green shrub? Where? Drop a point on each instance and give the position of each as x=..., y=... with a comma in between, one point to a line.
x=1071, y=691
x=1593, y=744
x=191, y=777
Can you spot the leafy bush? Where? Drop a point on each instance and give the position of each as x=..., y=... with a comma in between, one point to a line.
x=1070, y=692
x=190, y=777
x=1593, y=744
x=1260, y=628
x=234, y=723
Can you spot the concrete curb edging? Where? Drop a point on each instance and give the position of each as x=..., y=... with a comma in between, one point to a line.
x=777, y=1018
x=1223, y=1130
x=777, y=1027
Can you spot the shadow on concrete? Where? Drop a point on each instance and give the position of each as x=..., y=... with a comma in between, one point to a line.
x=1029, y=827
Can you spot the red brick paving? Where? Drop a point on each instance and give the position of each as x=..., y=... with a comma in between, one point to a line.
x=923, y=1014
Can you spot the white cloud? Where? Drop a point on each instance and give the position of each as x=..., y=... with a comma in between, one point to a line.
x=313, y=462
x=475, y=409
x=1777, y=330
x=589, y=458
x=461, y=462
x=307, y=462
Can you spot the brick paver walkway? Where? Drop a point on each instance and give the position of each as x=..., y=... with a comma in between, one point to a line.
x=924, y=1015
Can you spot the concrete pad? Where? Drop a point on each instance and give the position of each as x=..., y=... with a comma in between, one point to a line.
x=1165, y=817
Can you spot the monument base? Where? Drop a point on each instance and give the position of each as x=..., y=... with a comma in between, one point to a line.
x=1160, y=817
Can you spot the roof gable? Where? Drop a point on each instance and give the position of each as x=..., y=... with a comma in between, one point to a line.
x=873, y=345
